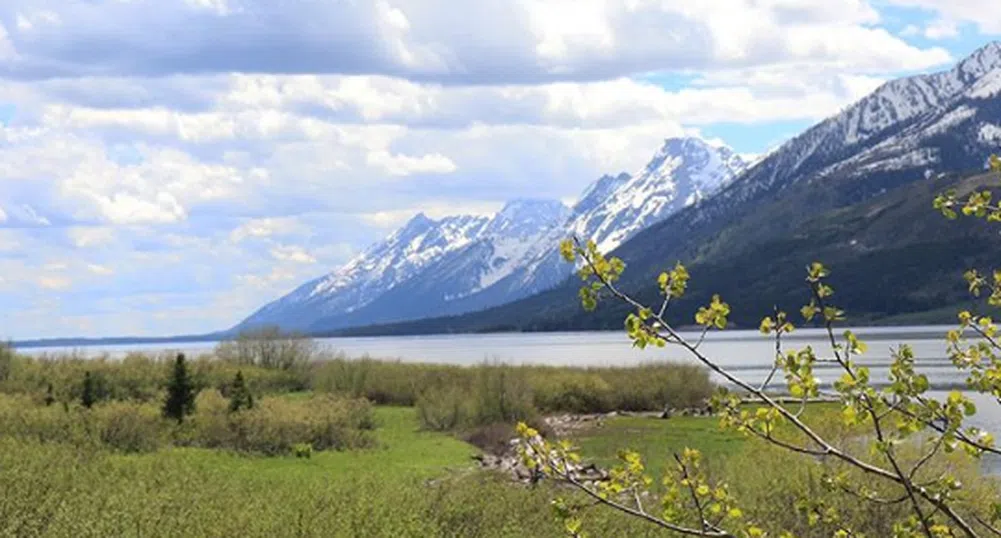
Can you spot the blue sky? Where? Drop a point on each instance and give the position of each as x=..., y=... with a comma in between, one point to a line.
x=167, y=166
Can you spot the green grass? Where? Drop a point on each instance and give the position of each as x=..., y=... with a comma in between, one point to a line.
x=657, y=440
x=55, y=490
x=402, y=451
x=414, y=484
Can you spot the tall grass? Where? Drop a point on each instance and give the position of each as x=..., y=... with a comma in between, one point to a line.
x=448, y=397
x=136, y=377
x=272, y=427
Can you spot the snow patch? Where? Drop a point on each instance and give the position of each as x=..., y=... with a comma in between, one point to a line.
x=990, y=133
x=988, y=86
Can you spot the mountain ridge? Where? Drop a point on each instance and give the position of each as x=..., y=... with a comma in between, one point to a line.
x=478, y=262
x=953, y=127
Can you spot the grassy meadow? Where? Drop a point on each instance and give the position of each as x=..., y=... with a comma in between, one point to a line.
x=387, y=449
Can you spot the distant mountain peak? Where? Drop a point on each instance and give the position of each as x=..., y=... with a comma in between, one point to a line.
x=526, y=216
x=417, y=223
x=983, y=59
x=599, y=191
x=683, y=171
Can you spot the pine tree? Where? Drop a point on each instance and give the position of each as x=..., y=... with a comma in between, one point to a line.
x=89, y=396
x=180, y=392
x=239, y=395
x=50, y=397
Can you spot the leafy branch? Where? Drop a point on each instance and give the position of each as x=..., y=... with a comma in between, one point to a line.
x=900, y=413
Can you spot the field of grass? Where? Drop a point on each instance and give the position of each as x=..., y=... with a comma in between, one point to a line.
x=119, y=468
x=55, y=490
x=657, y=439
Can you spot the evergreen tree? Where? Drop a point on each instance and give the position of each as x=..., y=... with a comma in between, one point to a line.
x=50, y=397
x=89, y=395
x=239, y=395
x=180, y=392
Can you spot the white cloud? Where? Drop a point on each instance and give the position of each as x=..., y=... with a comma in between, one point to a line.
x=492, y=41
x=985, y=15
x=268, y=281
x=405, y=165
x=388, y=220
x=55, y=283
x=90, y=236
x=100, y=269
x=292, y=253
x=220, y=7
x=941, y=29
x=265, y=228
x=26, y=214
x=209, y=166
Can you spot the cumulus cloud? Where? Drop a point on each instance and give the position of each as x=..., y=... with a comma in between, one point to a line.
x=491, y=41
x=100, y=269
x=405, y=165
x=941, y=29
x=985, y=15
x=188, y=163
x=292, y=253
x=90, y=236
x=266, y=228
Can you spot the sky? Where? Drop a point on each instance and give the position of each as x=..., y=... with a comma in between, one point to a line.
x=168, y=166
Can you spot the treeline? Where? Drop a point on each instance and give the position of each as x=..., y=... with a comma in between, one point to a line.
x=238, y=397
x=274, y=426
x=143, y=378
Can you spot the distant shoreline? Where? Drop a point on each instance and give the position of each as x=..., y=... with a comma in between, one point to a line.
x=869, y=332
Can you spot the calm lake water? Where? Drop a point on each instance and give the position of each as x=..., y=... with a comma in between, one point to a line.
x=748, y=353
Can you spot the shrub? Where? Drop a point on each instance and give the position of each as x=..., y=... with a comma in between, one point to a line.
x=129, y=427
x=502, y=395
x=574, y=392
x=268, y=347
x=443, y=409
x=274, y=426
x=302, y=450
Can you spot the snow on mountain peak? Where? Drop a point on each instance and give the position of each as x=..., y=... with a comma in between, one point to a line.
x=980, y=61
x=682, y=172
x=987, y=86
x=599, y=191
x=524, y=217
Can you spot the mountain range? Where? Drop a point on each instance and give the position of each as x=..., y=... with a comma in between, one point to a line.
x=830, y=191
x=465, y=263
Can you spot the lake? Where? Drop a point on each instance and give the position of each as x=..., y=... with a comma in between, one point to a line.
x=748, y=353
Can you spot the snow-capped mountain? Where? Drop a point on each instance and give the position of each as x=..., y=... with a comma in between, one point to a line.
x=402, y=255
x=682, y=172
x=500, y=268
x=599, y=191
x=352, y=292
x=465, y=278
x=461, y=264
x=905, y=129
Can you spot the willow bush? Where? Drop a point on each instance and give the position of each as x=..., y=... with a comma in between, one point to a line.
x=903, y=480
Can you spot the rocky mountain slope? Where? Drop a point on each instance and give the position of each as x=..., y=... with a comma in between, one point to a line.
x=894, y=142
x=463, y=264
